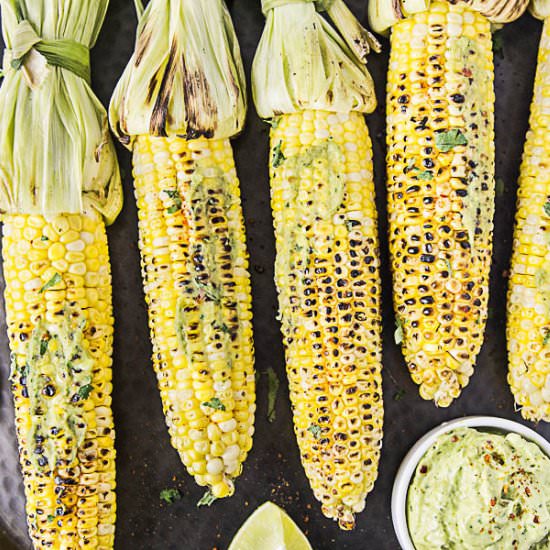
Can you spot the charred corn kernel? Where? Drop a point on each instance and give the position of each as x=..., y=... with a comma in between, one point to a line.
x=327, y=276
x=441, y=191
x=197, y=288
x=60, y=383
x=528, y=328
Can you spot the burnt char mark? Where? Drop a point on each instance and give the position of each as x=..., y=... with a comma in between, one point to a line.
x=151, y=88
x=396, y=7
x=143, y=42
x=198, y=103
x=157, y=126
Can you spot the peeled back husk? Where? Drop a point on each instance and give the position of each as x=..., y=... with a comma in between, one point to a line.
x=540, y=8
x=302, y=62
x=383, y=14
x=186, y=76
x=56, y=154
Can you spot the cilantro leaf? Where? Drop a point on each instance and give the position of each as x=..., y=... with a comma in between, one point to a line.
x=398, y=334
x=445, y=141
x=315, y=430
x=498, y=44
x=56, y=279
x=272, y=389
x=214, y=403
x=425, y=175
x=84, y=391
x=499, y=187
x=170, y=495
x=43, y=346
x=547, y=208
x=398, y=395
x=278, y=157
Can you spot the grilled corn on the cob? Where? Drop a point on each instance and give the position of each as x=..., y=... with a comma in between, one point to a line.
x=327, y=266
x=192, y=241
x=440, y=187
x=57, y=273
x=528, y=329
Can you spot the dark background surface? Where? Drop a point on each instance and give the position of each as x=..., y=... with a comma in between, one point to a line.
x=146, y=462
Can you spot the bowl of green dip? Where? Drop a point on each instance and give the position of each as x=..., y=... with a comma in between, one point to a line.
x=478, y=482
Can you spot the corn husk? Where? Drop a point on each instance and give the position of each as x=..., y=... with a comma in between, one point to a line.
x=383, y=14
x=56, y=154
x=540, y=9
x=186, y=76
x=302, y=62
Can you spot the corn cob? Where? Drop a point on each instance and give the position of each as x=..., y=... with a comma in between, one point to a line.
x=440, y=161
x=192, y=241
x=528, y=328
x=59, y=183
x=327, y=265
x=60, y=328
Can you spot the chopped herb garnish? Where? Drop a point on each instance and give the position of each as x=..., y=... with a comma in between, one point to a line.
x=410, y=166
x=398, y=395
x=445, y=141
x=547, y=208
x=43, y=346
x=44, y=238
x=272, y=389
x=398, y=334
x=498, y=44
x=208, y=290
x=499, y=187
x=84, y=391
x=56, y=279
x=50, y=518
x=425, y=175
x=214, y=403
x=278, y=157
x=315, y=430
x=273, y=122
x=207, y=499
x=546, y=338
x=176, y=200
x=170, y=495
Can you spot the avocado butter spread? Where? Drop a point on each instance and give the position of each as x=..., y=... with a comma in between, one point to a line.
x=476, y=489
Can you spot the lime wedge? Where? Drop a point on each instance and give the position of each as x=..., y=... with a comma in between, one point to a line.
x=269, y=528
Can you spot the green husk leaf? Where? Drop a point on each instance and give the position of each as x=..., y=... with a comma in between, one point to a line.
x=186, y=76
x=302, y=62
x=383, y=14
x=56, y=155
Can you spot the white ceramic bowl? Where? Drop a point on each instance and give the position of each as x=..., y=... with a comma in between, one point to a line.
x=419, y=449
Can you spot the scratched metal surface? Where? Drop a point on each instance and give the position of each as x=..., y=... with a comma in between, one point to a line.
x=146, y=462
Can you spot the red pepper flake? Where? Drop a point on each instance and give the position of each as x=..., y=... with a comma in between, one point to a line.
x=512, y=516
x=536, y=519
x=493, y=501
x=467, y=72
x=487, y=458
x=528, y=491
x=454, y=439
x=423, y=469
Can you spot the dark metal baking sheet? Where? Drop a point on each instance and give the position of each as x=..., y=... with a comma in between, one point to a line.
x=146, y=462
